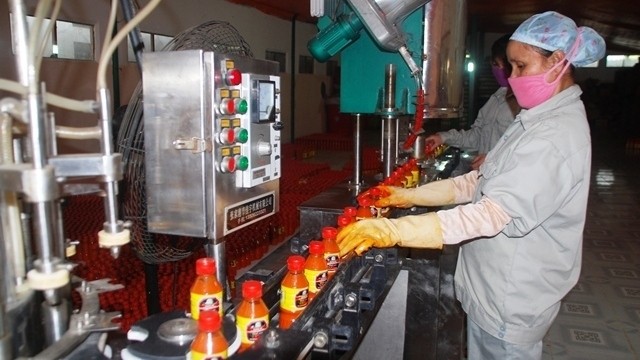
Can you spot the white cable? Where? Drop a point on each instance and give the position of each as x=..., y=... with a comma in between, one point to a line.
x=109, y=29
x=47, y=34
x=104, y=59
x=86, y=106
x=78, y=133
x=34, y=37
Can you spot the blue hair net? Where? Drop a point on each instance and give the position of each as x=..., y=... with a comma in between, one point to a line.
x=553, y=31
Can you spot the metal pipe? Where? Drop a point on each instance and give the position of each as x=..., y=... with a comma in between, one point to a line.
x=55, y=319
x=217, y=251
x=20, y=31
x=390, y=147
x=390, y=87
x=357, y=154
x=111, y=225
x=390, y=121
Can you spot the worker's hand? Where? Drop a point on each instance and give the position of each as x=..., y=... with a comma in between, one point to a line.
x=432, y=141
x=477, y=161
x=364, y=234
x=394, y=196
x=419, y=231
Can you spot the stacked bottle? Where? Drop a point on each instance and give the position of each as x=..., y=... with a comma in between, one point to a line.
x=209, y=343
x=331, y=249
x=315, y=268
x=252, y=316
x=294, y=292
x=206, y=291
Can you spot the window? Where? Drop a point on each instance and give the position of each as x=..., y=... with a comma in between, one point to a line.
x=152, y=42
x=622, y=60
x=68, y=40
x=305, y=64
x=592, y=65
x=279, y=57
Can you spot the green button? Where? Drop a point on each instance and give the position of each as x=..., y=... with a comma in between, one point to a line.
x=242, y=135
x=242, y=163
x=242, y=107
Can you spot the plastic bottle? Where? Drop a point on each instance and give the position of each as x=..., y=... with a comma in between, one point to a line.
x=331, y=249
x=315, y=268
x=210, y=343
x=252, y=316
x=206, y=291
x=294, y=292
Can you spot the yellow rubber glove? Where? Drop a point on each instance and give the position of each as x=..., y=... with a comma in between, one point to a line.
x=457, y=190
x=419, y=231
x=432, y=194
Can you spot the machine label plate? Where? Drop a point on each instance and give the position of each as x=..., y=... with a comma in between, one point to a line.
x=242, y=214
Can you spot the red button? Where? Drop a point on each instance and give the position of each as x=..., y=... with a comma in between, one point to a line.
x=228, y=106
x=228, y=164
x=234, y=77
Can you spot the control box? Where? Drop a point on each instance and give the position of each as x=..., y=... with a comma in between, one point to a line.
x=212, y=141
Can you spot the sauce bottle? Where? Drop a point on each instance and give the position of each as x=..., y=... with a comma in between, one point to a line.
x=252, y=316
x=209, y=343
x=206, y=291
x=331, y=249
x=294, y=292
x=315, y=268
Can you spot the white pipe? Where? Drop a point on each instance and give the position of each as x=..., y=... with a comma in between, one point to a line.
x=101, y=83
x=34, y=36
x=79, y=133
x=85, y=106
x=48, y=32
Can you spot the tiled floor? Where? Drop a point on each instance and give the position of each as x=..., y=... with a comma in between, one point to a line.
x=600, y=317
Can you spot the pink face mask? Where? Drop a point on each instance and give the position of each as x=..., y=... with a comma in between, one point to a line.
x=533, y=90
x=500, y=75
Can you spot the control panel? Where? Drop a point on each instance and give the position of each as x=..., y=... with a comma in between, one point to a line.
x=212, y=141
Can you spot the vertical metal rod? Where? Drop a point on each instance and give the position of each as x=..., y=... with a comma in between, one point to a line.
x=217, y=252
x=390, y=148
x=389, y=122
x=390, y=86
x=42, y=215
x=20, y=32
x=357, y=154
x=110, y=201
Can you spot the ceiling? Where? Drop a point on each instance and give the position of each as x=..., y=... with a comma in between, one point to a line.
x=618, y=21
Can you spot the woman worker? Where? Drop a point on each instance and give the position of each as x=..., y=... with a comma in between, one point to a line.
x=494, y=117
x=526, y=205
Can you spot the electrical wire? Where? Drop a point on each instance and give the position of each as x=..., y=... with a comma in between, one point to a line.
x=106, y=55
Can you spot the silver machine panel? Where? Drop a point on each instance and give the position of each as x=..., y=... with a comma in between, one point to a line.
x=212, y=142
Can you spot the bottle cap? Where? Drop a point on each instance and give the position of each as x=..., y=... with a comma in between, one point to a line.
x=344, y=220
x=329, y=232
x=316, y=247
x=209, y=320
x=295, y=263
x=252, y=289
x=350, y=211
x=205, y=266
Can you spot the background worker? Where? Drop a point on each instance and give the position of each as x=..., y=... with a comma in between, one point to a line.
x=494, y=116
x=524, y=210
